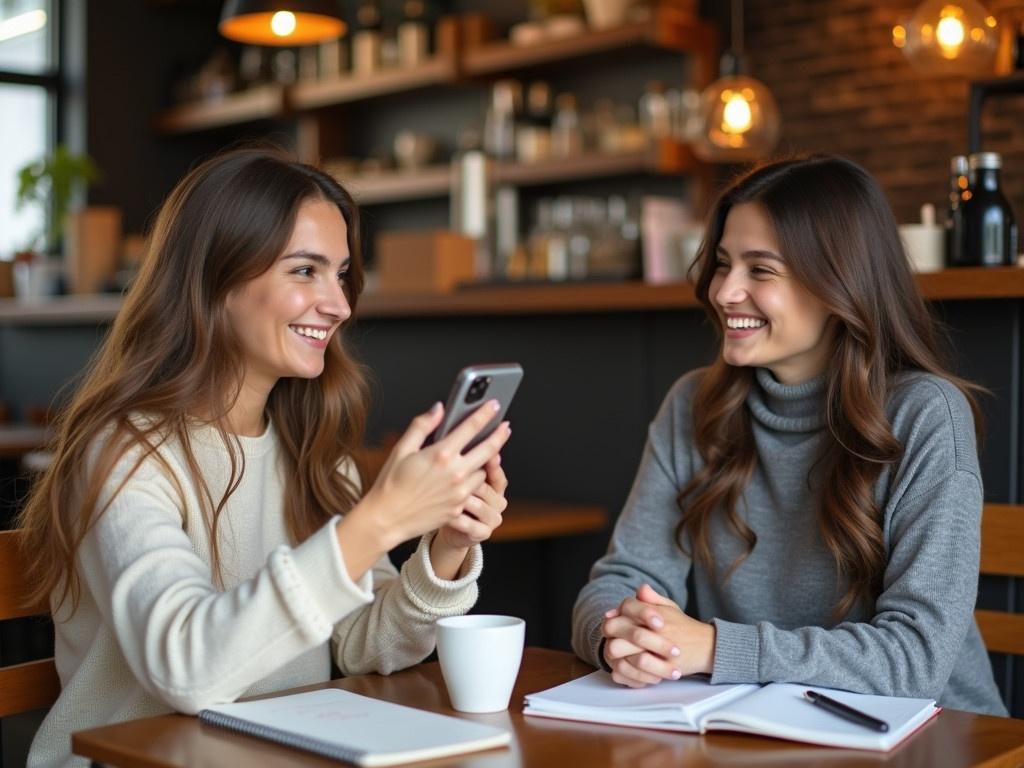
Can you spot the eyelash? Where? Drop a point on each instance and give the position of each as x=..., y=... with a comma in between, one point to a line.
x=759, y=272
x=308, y=271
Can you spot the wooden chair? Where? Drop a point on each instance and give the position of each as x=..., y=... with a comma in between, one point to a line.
x=1002, y=554
x=34, y=684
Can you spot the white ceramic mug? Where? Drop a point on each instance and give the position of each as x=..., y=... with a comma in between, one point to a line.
x=480, y=658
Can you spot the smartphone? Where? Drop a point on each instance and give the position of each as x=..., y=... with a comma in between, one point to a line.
x=473, y=387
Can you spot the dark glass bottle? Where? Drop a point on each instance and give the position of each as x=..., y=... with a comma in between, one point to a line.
x=955, y=254
x=990, y=231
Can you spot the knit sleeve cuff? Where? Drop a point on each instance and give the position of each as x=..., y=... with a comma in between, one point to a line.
x=321, y=568
x=737, y=653
x=438, y=596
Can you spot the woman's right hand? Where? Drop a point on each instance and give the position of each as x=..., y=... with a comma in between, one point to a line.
x=419, y=489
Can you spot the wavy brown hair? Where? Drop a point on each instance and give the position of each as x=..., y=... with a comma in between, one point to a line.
x=838, y=237
x=171, y=357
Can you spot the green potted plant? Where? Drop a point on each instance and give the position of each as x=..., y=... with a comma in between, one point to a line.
x=50, y=183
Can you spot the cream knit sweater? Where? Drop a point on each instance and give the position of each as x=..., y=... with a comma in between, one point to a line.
x=153, y=634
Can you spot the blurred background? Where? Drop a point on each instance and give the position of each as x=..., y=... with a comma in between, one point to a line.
x=533, y=177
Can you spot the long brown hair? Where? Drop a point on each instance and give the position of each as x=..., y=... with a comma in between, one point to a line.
x=838, y=237
x=171, y=357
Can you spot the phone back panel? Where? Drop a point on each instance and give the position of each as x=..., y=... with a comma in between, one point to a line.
x=474, y=386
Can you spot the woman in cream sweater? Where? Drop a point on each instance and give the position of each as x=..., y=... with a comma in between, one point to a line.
x=202, y=534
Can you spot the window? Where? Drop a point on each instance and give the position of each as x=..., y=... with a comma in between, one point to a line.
x=29, y=92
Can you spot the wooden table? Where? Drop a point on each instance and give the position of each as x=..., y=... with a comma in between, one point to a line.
x=952, y=740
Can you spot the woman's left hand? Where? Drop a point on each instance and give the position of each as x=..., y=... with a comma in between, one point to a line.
x=477, y=522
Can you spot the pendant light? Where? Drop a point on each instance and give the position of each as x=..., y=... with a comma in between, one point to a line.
x=281, y=22
x=949, y=37
x=739, y=115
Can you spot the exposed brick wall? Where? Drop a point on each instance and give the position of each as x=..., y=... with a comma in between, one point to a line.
x=843, y=87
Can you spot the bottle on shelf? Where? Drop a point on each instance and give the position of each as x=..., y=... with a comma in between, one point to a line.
x=566, y=128
x=366, y=41
x=655, y=117
x=954, y=223
x=990, y=231
x=500, y=120
x=533, y=129
x=471, y=204
x=413, y=34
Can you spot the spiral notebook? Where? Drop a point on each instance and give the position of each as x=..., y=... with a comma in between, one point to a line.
x=694, y=705
x=354, y=728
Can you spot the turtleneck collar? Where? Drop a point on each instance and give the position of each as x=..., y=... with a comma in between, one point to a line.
x=796, y=408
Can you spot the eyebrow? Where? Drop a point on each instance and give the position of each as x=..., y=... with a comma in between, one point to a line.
x=754, y=255
x=319, y=258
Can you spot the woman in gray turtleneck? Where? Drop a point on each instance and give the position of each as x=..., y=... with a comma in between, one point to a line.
x=820, y=479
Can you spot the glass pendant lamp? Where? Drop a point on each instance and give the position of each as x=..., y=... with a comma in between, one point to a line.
x=281, y=22
x=739, y=115
x=949, y=37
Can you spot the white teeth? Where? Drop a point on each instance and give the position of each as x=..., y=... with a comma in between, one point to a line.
x=744, y=322
x=313, y=333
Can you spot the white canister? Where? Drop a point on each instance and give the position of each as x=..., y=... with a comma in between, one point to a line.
x=925, y=242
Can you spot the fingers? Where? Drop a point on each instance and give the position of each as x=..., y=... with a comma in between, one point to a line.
x=491, y=498
x=644, y=668
x=487, y=512
x=496, y=477
x=642, y=613
x=471, y=426
x=647, y=594
x=475, y=530
x=419, y=430
x=483, y=453
x=639, y=636
x=624, y=672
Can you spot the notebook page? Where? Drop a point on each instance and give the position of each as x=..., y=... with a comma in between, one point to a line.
x=781, y=710
x=596, y=697
x=356, y=728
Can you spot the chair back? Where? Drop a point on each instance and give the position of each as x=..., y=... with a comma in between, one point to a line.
x=1002, y=554
x=34, y=684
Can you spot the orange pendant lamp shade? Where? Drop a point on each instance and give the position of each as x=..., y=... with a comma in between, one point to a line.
x=281, y=22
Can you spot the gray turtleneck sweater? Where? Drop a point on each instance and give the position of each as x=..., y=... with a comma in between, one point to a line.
x=773, y=615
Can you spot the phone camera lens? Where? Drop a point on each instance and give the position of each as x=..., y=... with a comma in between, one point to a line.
x=478, y=389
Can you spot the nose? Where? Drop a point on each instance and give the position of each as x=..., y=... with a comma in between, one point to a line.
x=332, y=302
x=732, y=288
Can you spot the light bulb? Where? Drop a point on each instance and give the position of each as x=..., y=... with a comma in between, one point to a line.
x=282, y=23
x=736, y=115
x=949, y=37
x=740, y=118
x=264, y=22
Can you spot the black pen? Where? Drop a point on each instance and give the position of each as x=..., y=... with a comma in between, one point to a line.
x=846, y=712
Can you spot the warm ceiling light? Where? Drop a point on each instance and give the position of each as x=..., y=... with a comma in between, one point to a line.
x=281, y=22
x=23, y=24
x=954, y=37
x=740, y=118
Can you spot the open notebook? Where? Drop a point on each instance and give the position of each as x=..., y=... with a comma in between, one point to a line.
x=354, y=728
x=696, y=706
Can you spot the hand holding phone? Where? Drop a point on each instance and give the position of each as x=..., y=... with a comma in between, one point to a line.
x=475, y=385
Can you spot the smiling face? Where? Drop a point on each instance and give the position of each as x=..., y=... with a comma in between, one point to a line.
x=769, y=319
x=286, y=317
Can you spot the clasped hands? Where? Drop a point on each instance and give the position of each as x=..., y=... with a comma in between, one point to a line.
x=648, y=638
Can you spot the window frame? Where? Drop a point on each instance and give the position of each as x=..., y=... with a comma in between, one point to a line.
x=52, y=80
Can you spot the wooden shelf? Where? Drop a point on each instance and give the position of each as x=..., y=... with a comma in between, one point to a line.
x=395, y=186
x=560, y=299
x=530, y=520
x=667, y=29
x=663, y=158
x=261, y=103
x=572, y=298
x=440, y=70
x=526, y=299
x=973, y=283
